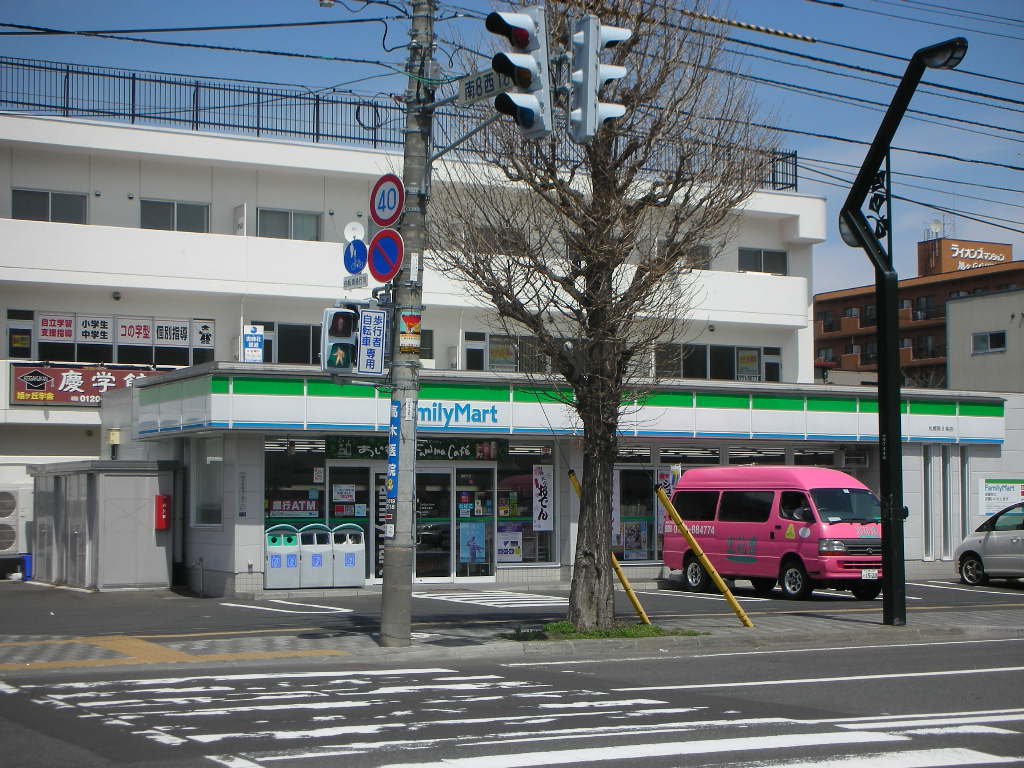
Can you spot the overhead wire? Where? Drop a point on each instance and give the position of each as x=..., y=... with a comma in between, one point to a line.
x=963, y=182
x=961, y=13
x=847, y=6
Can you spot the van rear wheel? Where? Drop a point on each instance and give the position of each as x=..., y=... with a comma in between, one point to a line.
x=696, y=578
x=793, y=580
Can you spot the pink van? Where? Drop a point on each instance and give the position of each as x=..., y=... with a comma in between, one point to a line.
x=800, y=527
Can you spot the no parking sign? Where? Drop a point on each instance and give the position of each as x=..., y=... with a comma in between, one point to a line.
x=385, y=255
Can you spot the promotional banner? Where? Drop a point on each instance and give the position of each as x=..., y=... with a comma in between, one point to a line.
x=543, y=497
x=510, y=544
x=46, y=385
x=472, y=542
x=994, y=495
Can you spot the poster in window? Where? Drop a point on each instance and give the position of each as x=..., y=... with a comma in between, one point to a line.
x=94, y=329
x=203, y=334
x=502, y=353
x=54, y=326
x=634, y=540
x=343, y=492
x=543, y=497
x=472, y=542
x=171, y=333
x=748, y=364
x=510, y=544
x=135, y=331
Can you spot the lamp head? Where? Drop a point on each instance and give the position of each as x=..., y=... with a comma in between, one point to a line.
x=945, y=55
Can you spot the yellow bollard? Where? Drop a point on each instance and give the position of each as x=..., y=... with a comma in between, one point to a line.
x=703, y=559
x=615, y=562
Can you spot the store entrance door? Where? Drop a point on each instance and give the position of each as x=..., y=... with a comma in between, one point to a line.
x=455, y=524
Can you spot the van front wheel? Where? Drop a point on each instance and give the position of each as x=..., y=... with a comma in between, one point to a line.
x=697, y=579
x=793, y=580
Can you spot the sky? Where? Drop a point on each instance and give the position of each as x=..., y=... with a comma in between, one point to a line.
x=980, y=128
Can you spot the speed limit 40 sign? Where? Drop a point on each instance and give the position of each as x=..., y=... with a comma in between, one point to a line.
x=387, y=200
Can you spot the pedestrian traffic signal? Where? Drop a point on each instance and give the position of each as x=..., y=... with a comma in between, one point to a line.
x=587, y=112
x=339, y=340
x=527, y=66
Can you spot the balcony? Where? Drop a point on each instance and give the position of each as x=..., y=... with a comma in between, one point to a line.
x=262, y=110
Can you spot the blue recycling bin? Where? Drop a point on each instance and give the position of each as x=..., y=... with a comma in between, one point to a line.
x=26, y=567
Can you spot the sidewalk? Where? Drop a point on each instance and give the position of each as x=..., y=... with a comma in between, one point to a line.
x=801, y=624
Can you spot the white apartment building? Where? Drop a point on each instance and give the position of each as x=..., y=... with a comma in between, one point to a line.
x=133, y=255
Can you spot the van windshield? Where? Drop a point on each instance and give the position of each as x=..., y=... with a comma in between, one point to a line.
x=846, y=505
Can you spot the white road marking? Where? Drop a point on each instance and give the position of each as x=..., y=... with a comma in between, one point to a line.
x=916, y=758
x=5, y=688
x=647, y=751
x=495, y=598
x=934, y=720
x=673, y=593
x=231, y=761
x=288, y=610
x=806, y=680
x=787, y=651
x=933, y=585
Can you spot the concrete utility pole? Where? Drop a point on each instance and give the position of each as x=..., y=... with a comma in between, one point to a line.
x=400, y=552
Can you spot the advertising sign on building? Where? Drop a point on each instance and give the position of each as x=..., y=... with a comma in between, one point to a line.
x=203, y=334
x=135, y=331
x=543, y=497
x=171, y=333
x=53, y=385
x=947, y=254
x=994, y=495
x=94, y=329
x=54, y=326
x=252, y=344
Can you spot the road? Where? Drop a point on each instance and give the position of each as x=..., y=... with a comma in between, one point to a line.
x=912, y=704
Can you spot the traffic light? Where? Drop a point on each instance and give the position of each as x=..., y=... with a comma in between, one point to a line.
x=339, y=340
x=527, y=65
x=587, y=112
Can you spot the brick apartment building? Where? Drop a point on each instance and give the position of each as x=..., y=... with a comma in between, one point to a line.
x=845, y=342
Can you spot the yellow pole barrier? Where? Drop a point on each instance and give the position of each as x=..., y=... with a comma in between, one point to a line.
x=615, y=562
x=703, y=559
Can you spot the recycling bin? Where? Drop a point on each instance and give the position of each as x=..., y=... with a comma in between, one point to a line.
x=315, y=556
x=282, y=557
x=349, y=555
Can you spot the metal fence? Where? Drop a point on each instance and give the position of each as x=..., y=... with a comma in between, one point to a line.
x=267, y=110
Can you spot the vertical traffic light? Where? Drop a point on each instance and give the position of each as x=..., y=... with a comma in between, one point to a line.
x=527, y=65
x=339, y=340
x=587, y=112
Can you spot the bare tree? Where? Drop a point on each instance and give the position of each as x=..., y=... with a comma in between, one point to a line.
x=590, y=250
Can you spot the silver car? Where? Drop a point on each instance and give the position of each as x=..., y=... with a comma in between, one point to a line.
x=996, y=549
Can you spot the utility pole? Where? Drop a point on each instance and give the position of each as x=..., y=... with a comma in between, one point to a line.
x=400, y=551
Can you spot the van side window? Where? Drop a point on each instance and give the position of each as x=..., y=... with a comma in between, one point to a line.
x=745, y=506
x=794, y=506
x=695, y=505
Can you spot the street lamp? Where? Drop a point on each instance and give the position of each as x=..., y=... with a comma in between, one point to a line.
x=858, y=232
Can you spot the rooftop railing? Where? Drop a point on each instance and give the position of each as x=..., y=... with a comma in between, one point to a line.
x=264, y=110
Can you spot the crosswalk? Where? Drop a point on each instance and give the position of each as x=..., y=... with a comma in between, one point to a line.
x=424, y=716
x=495, y=598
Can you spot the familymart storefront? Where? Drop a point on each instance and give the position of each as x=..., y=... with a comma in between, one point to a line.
x=271, y=449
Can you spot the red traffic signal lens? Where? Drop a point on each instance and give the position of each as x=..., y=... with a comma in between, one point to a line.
x=519, y=37
x=342, y=323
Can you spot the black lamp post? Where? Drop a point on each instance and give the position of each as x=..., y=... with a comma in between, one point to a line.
x=857, y=231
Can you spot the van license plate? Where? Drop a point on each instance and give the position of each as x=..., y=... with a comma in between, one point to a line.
x=869, y=573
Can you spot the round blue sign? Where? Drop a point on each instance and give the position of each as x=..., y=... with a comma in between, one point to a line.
x=355, y=257
x=386, y=252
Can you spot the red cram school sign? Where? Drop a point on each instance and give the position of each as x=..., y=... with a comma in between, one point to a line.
x=48, y=385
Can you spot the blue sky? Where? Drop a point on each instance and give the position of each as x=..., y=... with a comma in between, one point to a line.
x=994, y=29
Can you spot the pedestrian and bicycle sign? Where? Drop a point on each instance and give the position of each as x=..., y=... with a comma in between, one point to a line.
x=387, y=200
x=385, y=255
x=355, y=257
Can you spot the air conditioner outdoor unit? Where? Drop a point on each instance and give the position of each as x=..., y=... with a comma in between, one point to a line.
x=15, y=514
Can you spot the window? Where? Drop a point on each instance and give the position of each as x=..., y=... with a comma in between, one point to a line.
x=499, y=240
x=990, y=341
x=297, y=344
x=758, y=260
x=698, y=257
x=851, y=312
x=723, y=362
x=695, y=361
x=668, y=360
x=291, y=225
x=825, y=353
x=793, y=505
x=426, y=345
x=182, y=217
x=696, y=505
x=827, y=319
x=208, y=471
x=48, y=206
x=745, y=506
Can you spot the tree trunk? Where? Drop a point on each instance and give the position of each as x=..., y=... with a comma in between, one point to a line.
x=592, y=596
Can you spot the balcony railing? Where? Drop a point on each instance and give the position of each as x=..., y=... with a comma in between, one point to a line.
x=265, y=110
x=928, y=313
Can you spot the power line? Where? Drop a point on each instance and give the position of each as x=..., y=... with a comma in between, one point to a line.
x=975, y=13
x=847, y=6
x=218, y=28
x=961, y=182
x=944, y=11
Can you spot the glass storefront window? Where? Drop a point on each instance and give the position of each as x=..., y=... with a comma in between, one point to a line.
x=294, y=481
x=474, y=512
x=739, y=455
x=520, y=541
x=694, y=456
x=636, y=537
